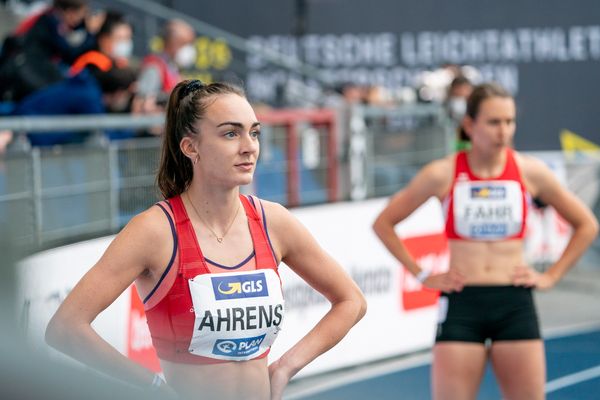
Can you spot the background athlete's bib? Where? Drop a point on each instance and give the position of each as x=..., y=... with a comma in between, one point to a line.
x=238, y=314
x=488, y=210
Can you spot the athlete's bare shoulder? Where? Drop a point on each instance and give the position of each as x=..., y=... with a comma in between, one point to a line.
x=437, y=175
x=277, y=218
x=153, y=221
x=275, y=214
x=525, y=161
x=535, y=172
x=442, y=168
x=148, y=233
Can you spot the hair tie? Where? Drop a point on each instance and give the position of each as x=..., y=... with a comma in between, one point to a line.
x=190, y=87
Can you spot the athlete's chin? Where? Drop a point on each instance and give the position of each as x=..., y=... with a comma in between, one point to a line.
x=245, y=180
x=233, y=182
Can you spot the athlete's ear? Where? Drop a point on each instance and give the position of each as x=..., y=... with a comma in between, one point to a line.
x=467, y=125
x=188, y=148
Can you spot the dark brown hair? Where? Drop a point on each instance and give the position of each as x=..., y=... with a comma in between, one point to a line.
x=478, y=95
x=115, y=79
x=112, y=21
x=187, y=105
x=69, y=4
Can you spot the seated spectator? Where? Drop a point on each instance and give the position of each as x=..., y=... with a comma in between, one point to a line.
x=456, y=99
x=44, y=45
x=161, y=72
x=353, y=93
x=115, y=38
x=455, y=103
x=97, y=87
x=377, y=96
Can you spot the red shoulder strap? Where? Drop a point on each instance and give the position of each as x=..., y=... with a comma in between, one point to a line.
x=262, y=249
x=191, y=259
x=512, y=169
x=461, y=164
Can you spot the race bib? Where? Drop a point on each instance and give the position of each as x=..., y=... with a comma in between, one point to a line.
x=238, y=314
x=488, y=210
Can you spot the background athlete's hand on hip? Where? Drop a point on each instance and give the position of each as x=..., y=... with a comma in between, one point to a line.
x=528, y=277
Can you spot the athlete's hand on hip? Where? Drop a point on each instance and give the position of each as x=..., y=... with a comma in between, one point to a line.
x=528, y=277
x=451, y=281
x=279, y=377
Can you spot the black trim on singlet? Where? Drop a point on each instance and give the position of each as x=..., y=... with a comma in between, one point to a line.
x=264, y=218
x=228, y=267
x=175, y=240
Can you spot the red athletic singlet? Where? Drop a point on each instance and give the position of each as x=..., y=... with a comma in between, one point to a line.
x=208, y=317
x=486, y=209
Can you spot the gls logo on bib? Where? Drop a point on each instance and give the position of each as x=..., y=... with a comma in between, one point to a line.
x=239, y=286
x=489, y=192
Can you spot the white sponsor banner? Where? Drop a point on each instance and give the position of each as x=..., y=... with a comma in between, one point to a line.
x=45, y=279
x=547, y=232
x=344, y=231
x=400, y=318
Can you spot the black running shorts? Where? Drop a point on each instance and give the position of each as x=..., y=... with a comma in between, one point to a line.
x=480, y=313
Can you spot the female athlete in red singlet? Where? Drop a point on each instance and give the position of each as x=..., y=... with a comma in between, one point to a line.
x=486, y=294
x=205, y=264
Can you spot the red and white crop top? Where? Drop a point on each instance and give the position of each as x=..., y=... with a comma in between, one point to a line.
x=201, y=312
x=486, y=209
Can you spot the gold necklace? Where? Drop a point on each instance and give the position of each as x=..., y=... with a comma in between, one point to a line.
x=219, y=238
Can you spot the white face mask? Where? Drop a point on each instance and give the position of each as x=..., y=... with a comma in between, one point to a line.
x=457, y=106
x=123, y=49
x=186, y=56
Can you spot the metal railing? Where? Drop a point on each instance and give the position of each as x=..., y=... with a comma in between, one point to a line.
x=52, y=194
x=55, y=195
x=388, y=146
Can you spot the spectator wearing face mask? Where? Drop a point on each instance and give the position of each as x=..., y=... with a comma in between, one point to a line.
x=456, y=105
x=43, y=46
x=456, y=101
x=114, y=41
x=161, y=72
x=98, y=86
x=115, y=38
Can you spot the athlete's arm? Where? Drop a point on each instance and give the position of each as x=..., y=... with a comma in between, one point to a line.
x=433, y=180
x=542, y=183
x=295, y=246
x=135, y=248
